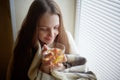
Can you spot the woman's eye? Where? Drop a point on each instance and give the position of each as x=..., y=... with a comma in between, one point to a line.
x=56, y=28
x=43, y=29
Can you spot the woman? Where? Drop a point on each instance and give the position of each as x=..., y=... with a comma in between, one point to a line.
x=42, y=26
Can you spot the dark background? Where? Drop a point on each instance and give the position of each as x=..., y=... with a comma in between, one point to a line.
x=6, y=37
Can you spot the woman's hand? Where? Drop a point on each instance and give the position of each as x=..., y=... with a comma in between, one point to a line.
x=60, y=66
x=47, y=64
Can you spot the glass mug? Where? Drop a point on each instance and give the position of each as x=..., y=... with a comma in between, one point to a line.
x=55, y=53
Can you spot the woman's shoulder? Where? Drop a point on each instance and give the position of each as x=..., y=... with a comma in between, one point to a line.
x=73, y=46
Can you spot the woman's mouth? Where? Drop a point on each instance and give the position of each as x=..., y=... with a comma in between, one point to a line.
x=48, y=38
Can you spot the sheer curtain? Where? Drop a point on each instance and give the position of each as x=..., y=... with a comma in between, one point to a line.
x=97, y=34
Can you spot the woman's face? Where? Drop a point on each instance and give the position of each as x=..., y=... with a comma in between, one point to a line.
x=48, y=28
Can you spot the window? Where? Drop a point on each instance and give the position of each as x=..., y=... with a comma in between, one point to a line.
x=98, y=36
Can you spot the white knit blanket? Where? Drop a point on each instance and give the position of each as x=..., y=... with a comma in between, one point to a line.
x=74, y=73
x=77, y=71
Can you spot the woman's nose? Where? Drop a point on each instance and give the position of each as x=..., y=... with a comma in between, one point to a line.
x=51, y=33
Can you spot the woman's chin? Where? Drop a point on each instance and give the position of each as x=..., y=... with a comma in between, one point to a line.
x=49, y=42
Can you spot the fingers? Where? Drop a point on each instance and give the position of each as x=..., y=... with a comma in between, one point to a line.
x=64, y=58
x=58, y=66
x=48, y=59
x=44, y=49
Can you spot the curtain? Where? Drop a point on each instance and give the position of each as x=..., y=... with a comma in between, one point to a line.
x=97, y=34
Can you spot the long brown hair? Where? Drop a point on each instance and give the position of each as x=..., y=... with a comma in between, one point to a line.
x=25, y=48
